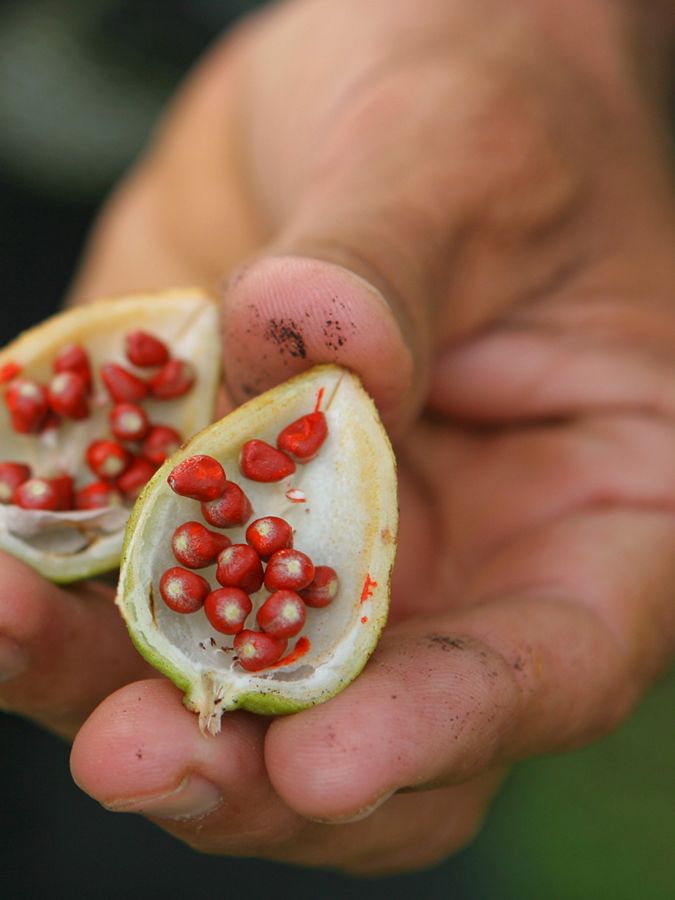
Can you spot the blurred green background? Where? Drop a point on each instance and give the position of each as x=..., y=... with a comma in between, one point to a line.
x=81, y=85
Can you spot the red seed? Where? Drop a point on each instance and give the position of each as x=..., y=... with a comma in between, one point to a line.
x=227, y=609
x=65, y=491
x=160, y=443
x=282, y=615
x=27, y=404
x=195, y=546
x=240, y=566
x=144, y=349
x=322, y=590
x=134, y=479
x=183, y=591
x=260, y=461
x=122, y=385
x=67, y=395
x=257, y=650
x=37, y=493
x=289, y=569
x=97, y=495
x=128, y=422
x=12, y=474
x=232, y=508
x=174, y=379
x=200, y=477
x=73, y=358
x=269, y=534
x=303, y=438
x=107, y=459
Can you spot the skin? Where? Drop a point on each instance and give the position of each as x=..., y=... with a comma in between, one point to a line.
x=484, y=188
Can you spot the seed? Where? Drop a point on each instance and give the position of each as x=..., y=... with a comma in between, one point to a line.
x=282, y=615
x=240, y=566
x=174, y=379
x=97, y=495
x=73, y=358
x=133, y=480
x=160, y=443
x=183, y=591
x=144, y=349
x=232, y=508
x=260, y=461
x=257, y=650
x=269, y=534
x=27, y=404
x=122, y=385
x=290, y=569
x=227, y=609
x=65, y=491
x=128, y=422
x=195, y=546
x=67, y=395
x=12, y=474
x=322, y=590
x=200, y=477
x=107, y=459
x=303, y=438
x=37, y=493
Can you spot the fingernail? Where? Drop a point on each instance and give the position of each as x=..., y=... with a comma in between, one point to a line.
x=363, y=813
x=13, y=660
x=193, y=798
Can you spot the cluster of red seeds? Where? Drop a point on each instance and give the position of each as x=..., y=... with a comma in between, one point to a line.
x=122, y=464
x=292, y=579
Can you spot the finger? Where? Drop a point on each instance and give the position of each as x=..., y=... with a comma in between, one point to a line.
x=49, y=638
x=553, y=654
x=141, y=752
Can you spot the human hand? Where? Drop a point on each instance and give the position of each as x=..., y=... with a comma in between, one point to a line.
x=494, y=171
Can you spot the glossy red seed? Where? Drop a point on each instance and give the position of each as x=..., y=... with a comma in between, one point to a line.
x=160, y=442
x=107, y=459
x=144, y=349
x=12, y=474
x=128, y=422
x=65, y=491
x=257, y=650
x=269, y=534
x=122, y=385
x=133, y=480
x=67, y=395
x=282, y=615
x=240, y=566
x=73, y=358
x=174, y=379
x=183, y=591
x=260, y=461
x=200, y=477
x=322, y=589
x=37, y=493
x=195, y=546
x=97, y=495
x=303, y=438
x=290, y=569
x=28, y=406
x=232, y=508
x=227, y=609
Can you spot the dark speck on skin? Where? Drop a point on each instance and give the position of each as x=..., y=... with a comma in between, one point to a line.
x=139, y=754
x=447, y=643
x=287, y=336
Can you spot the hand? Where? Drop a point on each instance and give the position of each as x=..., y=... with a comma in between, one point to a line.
x=478, y=194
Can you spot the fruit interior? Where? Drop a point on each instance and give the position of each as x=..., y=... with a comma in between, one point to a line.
x=347, y=520
x=77, y=543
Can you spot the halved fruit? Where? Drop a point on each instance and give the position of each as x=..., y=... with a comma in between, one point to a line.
x=342, y=507
x=63, y=386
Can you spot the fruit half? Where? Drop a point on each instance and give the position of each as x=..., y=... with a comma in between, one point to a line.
x=83, y=535
x=341, y=502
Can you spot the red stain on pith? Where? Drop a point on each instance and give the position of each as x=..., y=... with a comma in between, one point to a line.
x=302, y=647
x=319, y=399
x=368, y=587
x=8, y=371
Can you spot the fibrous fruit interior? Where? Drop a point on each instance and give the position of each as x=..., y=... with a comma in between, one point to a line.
x=342, y=506
x=66, y=545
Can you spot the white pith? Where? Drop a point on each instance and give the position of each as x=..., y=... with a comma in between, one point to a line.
x=69, y=545
x=348, y=521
